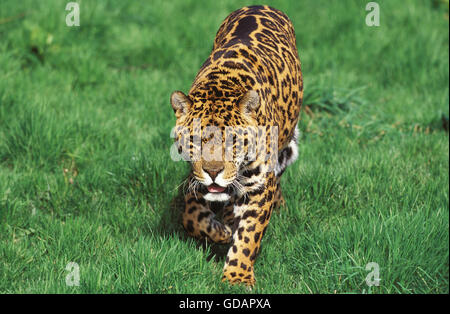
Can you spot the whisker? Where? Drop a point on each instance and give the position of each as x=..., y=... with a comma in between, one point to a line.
x=239, y=187
x=193, y=186
x=183, y=183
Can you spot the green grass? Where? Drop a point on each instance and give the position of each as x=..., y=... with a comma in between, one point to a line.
x=86, y=175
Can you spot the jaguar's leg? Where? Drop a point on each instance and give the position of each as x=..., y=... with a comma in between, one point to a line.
x=252, y=215
x=228, y=214
x=199, y=222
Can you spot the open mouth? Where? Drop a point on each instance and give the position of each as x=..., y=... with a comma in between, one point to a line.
x=215, y=188
x=216, y=193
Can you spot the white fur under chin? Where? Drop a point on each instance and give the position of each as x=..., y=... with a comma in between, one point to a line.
x=216, y=197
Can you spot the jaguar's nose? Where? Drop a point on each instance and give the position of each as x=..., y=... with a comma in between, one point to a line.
x=213, y=170
x=212, y=174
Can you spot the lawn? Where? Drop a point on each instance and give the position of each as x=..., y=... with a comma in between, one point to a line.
x=86, y=175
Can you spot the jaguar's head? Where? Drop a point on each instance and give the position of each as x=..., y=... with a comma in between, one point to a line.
x=214, y=136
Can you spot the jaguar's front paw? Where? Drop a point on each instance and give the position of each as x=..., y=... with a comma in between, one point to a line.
x=237, y=275
x=222, y=234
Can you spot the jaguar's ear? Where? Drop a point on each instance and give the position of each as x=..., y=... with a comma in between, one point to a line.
x=249, y=102
x=180, y=103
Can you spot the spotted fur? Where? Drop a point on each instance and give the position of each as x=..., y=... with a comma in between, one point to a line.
x=252, y=78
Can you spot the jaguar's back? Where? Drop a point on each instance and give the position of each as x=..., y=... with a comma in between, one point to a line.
x=255, y=49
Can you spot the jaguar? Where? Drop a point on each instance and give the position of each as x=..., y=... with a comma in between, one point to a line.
x=245, y=98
